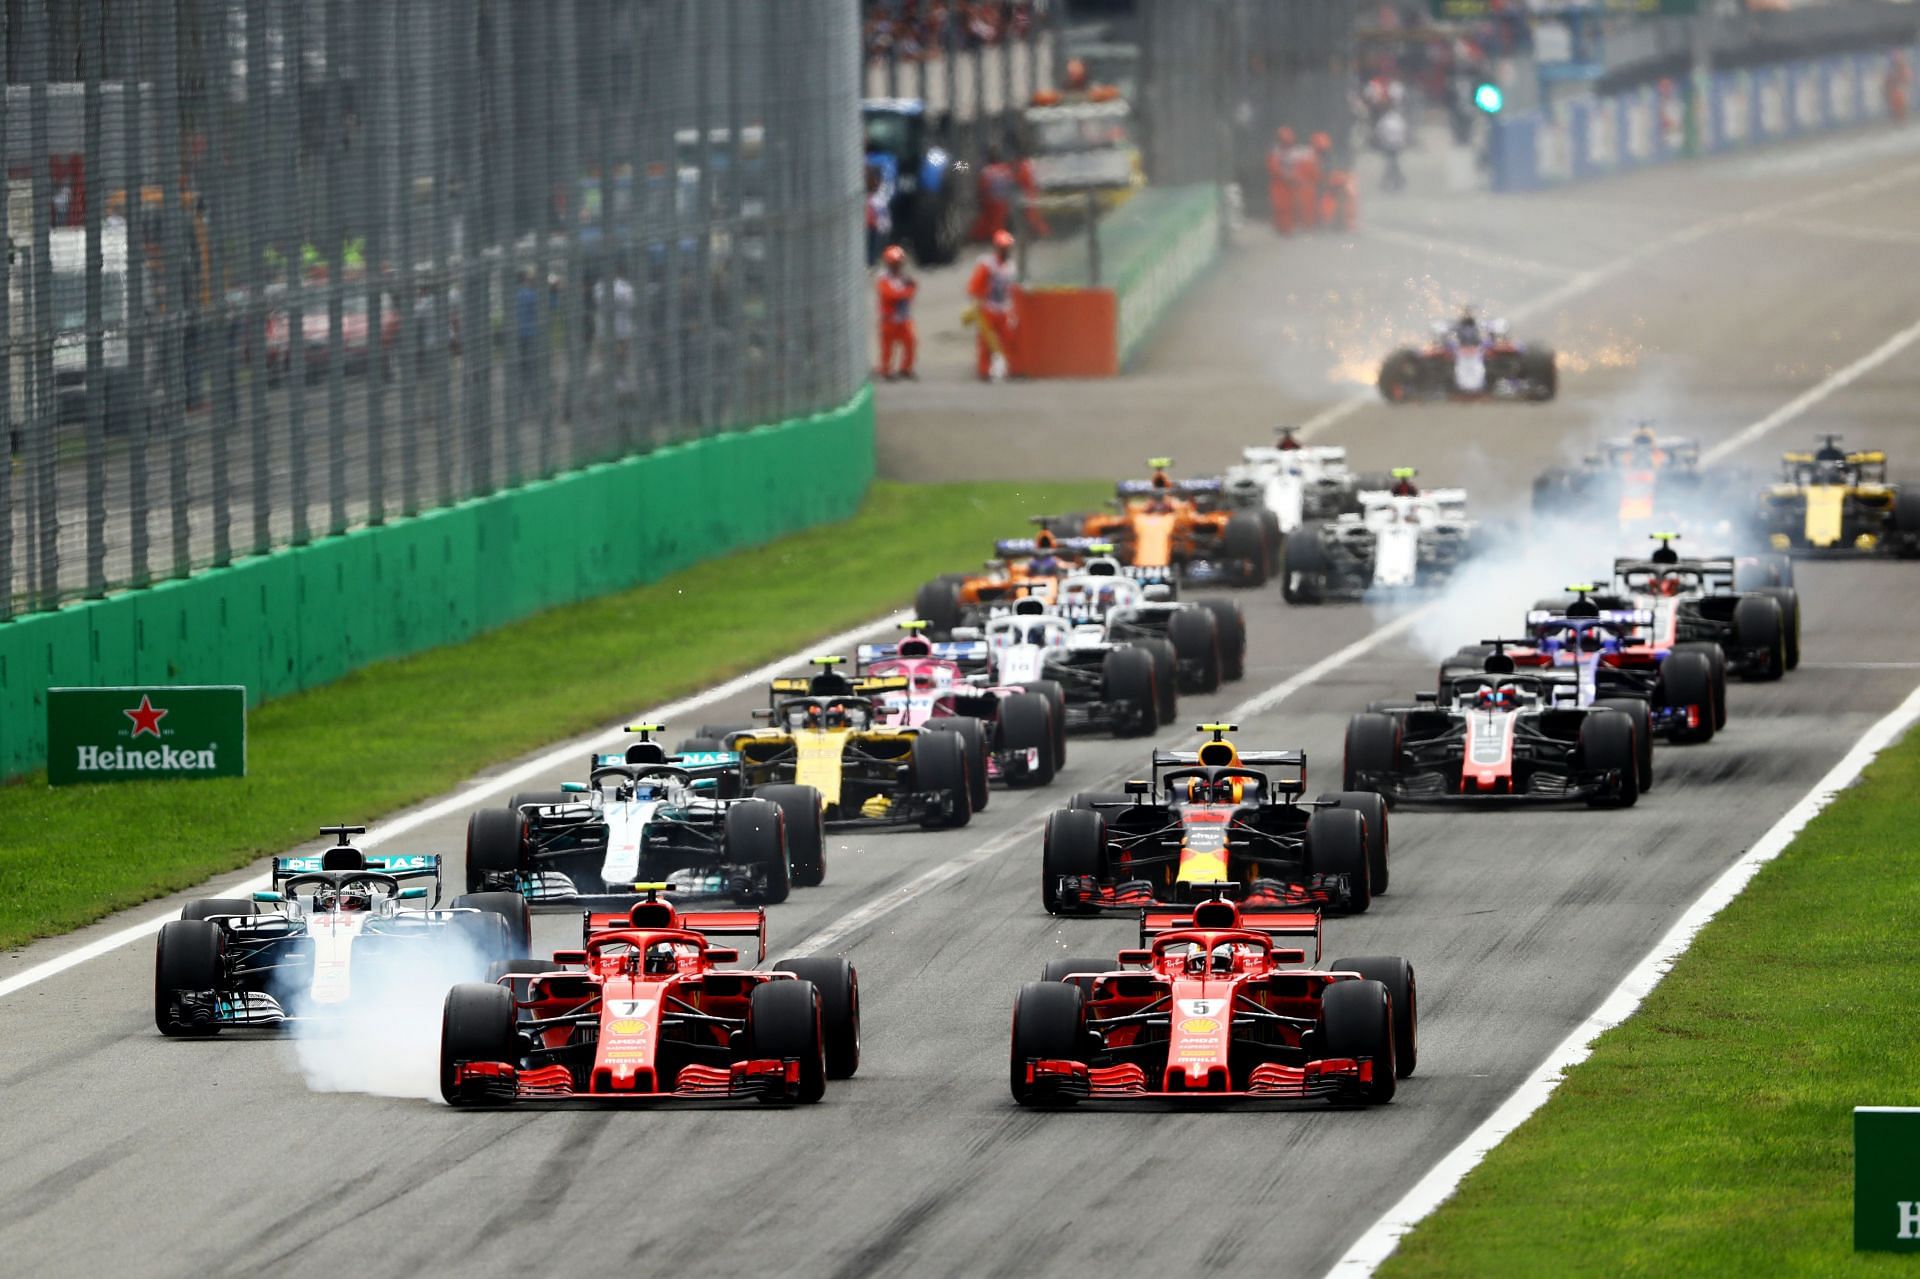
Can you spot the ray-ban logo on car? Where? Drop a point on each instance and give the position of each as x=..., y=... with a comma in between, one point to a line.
x=114, y=734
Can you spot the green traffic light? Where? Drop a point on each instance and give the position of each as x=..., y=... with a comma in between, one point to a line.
x=1489, y=98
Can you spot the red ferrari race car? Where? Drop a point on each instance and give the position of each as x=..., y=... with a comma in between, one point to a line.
x=1208, y=821
x=1210, y=1007
x=1469, y=360
x=646, y=1012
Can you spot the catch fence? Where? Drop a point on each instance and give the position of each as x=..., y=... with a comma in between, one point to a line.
x=281, y=268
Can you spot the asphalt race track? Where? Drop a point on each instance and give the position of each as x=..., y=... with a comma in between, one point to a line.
x=1706, y=298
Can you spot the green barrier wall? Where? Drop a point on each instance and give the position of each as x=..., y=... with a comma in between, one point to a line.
x=309, y=614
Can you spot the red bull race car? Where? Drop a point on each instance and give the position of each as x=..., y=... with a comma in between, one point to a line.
x=1211, y=821
x=647, y=1010
x=1210, y=1006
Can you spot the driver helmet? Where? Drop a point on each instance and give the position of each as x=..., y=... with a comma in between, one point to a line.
x=353, y=897
x=1405, y=487
x=660, y=959
x=1829, y=470
x=836, y=716
x=1288, y=441
x=1044, y=565
x=1666, y=584
x=1502, y=697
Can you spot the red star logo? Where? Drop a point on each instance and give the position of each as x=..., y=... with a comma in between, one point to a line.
x=146, y=718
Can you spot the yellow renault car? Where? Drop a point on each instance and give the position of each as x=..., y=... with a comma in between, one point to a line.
x=1836, y=502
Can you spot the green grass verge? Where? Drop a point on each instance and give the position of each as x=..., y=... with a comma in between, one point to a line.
x=399, y=731
x=1712, y=1132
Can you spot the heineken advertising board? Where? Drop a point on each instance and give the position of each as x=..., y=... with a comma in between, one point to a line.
x=1886, y=1179
x=124, y=734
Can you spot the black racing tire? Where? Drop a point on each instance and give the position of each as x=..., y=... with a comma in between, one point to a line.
x=521, y=798
x=1245, y=542
x=208, y=907
x=1396, y=974
x=1049, y=1024
x=1399, y=375
x=1231, y=626
x=940, y=764
x=1759, y=629
x=1127, y=678
x=937, y=603
x=1025, y=724
x=1304, y=566
x=1057, y=700
x=1906, y=525
x=783, y=1021
x=1275, y=535
x=190, y=955
x=755, y=839
x=839, y=987
x=1637, y=710
x=1541, y=373
x=974, y=734
x=477, y=1023
x=1166, y=674
x=1373, y=746
x=512, y=910
x=1356, y=1020
x=806, y=831
x=496, y=844
x=1789, y=601
x=1195, y=636
x=1606, y=742
x=1073, y=844
x=488, y=937
x=1337, y=845
x=690, y=745
x=1687, y=679
x=1372, y=807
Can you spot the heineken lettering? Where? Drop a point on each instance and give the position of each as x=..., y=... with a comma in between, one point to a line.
x=129, y=734
x=94, y=759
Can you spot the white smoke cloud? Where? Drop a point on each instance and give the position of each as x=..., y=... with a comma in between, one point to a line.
x=385, y=1039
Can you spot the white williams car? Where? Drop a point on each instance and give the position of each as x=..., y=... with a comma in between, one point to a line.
x=1297, y=482
x=335, y=931
x=1401, y=539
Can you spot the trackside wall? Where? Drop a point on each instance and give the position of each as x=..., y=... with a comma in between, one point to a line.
x=304, y=615
x=1582, y=138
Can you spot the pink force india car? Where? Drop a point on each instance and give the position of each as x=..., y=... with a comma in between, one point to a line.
x=1015, y=733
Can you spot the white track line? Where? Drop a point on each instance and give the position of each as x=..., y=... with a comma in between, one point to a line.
x=1836, y=381
x=1586, y=281
x=1843, y=231
x=1381, y=1238
x=842, y=929
x=471, y=797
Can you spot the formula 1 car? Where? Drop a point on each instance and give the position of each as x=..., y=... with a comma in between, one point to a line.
x=1023, y=568
x=1104, y=686
x=1644, y=479
x=1206, y=638
x=1184, y=528
x=1467, y=360
x=643, y=814
x=1404, y=538
x=1746, y=607
x=1210, y=1006
x=1015, y=734
x=334, y=936
x=1210, y=818
x=1296, y=482
x=1495, y=734
x=825, y=733
x=1838, y=502
x=646, y=1011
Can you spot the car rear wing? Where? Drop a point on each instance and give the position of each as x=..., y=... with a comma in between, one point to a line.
x=397, y=866
x=972, y=650
x=708, y=923
x=1287, y=922
x=1265, y=760
x=1179, y=488
x=1719, y=567
x=1014, y=548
